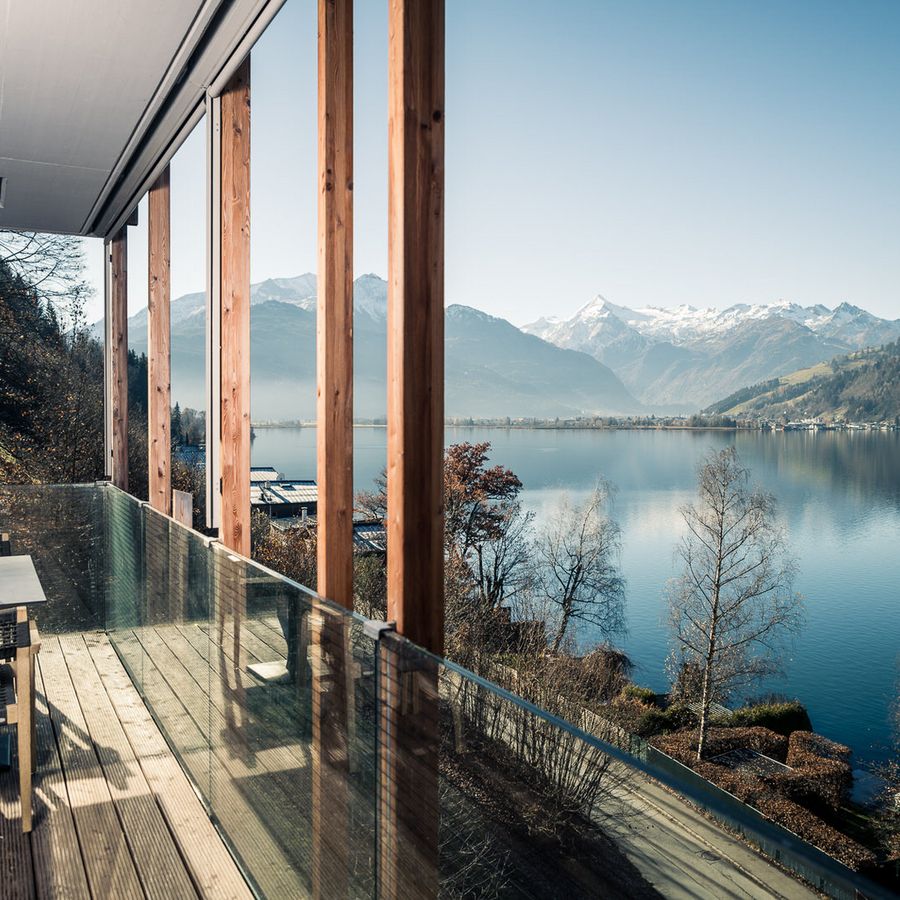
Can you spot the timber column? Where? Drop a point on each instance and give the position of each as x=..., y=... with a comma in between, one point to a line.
x=407, y=681
x=333, y=684
x=235, y=312
x=159, y=443
x=116, y=407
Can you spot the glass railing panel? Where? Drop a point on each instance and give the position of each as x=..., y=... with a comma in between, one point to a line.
x=125, y=579
x=337, y=758
x=292, y=734
x=264, y=692
x=483, y=793
x=62, y=528
x=174, y=604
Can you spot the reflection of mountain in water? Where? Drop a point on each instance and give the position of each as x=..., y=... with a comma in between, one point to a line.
x=838, y=497
x=858, y=466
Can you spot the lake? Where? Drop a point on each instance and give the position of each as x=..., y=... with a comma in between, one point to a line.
x=839, y=499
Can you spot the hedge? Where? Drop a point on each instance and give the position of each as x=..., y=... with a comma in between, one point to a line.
x=643, y=719
x=636, y=692
x=683, y=744
x=662, y=721
x=755, y=792
x=820, y=771
x=785, y=718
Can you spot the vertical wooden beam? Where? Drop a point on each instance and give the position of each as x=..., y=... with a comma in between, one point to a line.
x=117, y=382
x=332, y=694
x=159, y=441
x=415, y=526
x=235, y=312
x=409, y=714
x=334, y=322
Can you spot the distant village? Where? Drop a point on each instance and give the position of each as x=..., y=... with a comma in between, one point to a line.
x=292, y=503
x=693, y=421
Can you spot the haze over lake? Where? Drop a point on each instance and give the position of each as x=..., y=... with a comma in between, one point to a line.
x=839, y=499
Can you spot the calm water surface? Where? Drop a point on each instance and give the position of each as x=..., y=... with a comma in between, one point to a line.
x=839, y=498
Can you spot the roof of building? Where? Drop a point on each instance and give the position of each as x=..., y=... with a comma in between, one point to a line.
x=369, y=537
x=263, y=473
x=283, y=493
x=288, y=523
x=190, y=454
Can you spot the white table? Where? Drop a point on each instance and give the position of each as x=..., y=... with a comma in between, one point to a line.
x=19, y=586
x=19, y=583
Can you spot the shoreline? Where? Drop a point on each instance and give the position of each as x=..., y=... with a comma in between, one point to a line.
x=630, y=427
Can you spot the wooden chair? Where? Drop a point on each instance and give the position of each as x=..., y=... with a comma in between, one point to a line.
x=19, y=643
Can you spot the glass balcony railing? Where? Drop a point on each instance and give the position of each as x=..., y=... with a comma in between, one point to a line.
x=337, y=758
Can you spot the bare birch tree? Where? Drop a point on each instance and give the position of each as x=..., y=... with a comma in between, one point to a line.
x=733, y=603
x=53, y=267
x=578, y=556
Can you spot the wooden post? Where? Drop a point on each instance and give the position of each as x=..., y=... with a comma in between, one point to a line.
x=415, y=523
x=408, y=796
x=334, y=323
x=158, y=347
x=117, y=354
x=408, y=697
x=332, y=694
x=24, y=710
x=183, y=508
x=235, y=312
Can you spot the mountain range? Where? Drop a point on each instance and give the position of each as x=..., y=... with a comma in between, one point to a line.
x=492, y=368
x=604, y=360
x=863, y=386
x=686, y=358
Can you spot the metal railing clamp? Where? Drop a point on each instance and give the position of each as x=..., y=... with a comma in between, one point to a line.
x=374, y=628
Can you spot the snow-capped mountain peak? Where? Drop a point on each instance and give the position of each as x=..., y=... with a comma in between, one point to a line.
x=686, y=323
x=685, y=354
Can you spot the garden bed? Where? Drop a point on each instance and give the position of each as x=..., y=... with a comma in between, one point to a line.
x=750, y=762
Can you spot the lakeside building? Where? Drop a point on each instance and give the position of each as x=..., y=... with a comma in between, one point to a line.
x=280, y=499
x=263, y=474
x=190, y=454
x=369, y=536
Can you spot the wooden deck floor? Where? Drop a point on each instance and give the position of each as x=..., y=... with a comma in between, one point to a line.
x=248, y=745
x=115, y=815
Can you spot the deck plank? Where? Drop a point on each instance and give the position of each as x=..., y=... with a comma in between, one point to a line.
x=268, y=637
x=283, y=710
x=15, y=847
x=213, y=869
x=233, y=759
x=232, y=718
x=59, y=868
x=159, y=865
x=260, y=648
x=268, y=628
x=108, y=862
x=115, y=813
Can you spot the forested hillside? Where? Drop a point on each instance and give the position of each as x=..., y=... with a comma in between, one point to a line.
x=51, y=419
x=859, y=387
x=51, y=368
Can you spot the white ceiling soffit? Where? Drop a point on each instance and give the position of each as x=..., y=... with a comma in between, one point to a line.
x=96, y=94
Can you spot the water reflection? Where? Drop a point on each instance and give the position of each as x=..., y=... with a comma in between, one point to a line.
x=839, y=497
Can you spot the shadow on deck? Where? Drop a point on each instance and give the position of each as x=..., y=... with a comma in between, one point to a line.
x=115, y=814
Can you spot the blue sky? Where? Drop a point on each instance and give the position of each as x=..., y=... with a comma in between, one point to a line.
x=655, y=152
